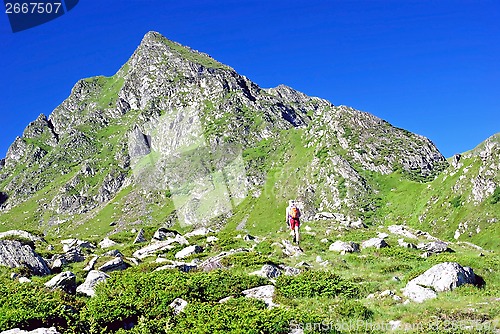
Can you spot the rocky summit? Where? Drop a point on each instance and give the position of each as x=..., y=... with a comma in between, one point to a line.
x=157, y=195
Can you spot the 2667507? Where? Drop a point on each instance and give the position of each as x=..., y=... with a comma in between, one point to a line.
x=32, y=7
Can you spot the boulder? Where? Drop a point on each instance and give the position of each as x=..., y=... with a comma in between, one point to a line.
x=19, y=233
x=441, y=277
x=13, y=254
x=198, y=232
x=178, y=305
x=159, y=246
x=374, y=242
x=402, y=231
x=211, y=239
x=404, y=244
x=107, y=242
x=344, y=247
x=434, y=247
x=51, y=330
x=264, y=293
x=163, y=233
x=268, y=271
x=91, y=264
x=113, y=253
x=24, y=280
x=290, y=271
x=65, y=281
x=188, y=251
x=182, y=266
x=93, y=278
x=69, y=244
x=140, y=237
x=115, y=264
x=291, y=250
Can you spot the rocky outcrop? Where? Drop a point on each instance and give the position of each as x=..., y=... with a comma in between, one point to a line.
x=13, y=254
x=65, y=281
x=344, y=247
x=115, y=264
x=188, y=251
x=20, y=233
x=178, y=305
x=434, y=247
x=264, y=293
x=159, y=246
x=374, y=242
x=93, y=278
x=441, y=277
x=140, y=237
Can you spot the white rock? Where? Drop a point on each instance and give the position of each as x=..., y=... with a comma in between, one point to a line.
x=341, y=246
x=24, y=280
x=93, y=278
x=211, y=239
x=188, y=251
x=106, y=243
x=178, y=305
x=198, y=232
x=264, y=293
x=374, y=242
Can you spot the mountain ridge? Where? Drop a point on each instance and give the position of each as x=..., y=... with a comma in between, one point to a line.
x=121, y=132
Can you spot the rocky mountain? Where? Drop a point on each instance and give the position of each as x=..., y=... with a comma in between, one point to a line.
x=152, y=201
x=175, y=136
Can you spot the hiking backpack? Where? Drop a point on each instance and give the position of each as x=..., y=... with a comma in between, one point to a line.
x=294, y=212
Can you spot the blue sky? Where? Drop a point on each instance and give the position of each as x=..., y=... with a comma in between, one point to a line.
x=432, y=67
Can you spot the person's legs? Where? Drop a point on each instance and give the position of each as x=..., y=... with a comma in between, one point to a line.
x=297, y=236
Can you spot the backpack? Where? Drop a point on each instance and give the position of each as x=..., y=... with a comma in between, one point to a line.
x=294, y=212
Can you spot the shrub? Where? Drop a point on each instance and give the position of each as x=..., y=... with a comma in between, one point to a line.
x=495, y=197
x=315, y=283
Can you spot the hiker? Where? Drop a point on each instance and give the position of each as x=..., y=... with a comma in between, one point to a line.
x=293, y=219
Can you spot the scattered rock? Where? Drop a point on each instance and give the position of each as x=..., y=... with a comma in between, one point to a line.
x=112, y=224
x=13, y=275
x=226, y=299
x=93, y=278
x=404, y=244
x=198, y=232
x=211, y=239
x=188, y=251
x=182, y=266
x=178, y=305
x=159, y=246
x=268, y=271
x=113, y=253
x=164, y=233
x=13, y=254
x=324, y=240
x=70, y=244
x=290, y=271
x=401, y=230
x=19, y=233
x=435, y=247
x=140, y=237
x=264, y=293
x=107, y=242
x=344, y=247
x=91, y=263
x=248, y=237
x=382, y=235
x=24, y=280
x=291, y=250
x=115, y=264
x=65, y=281
x=374, y=242
x=303, y=264
x=425, y=255
x=441, y=277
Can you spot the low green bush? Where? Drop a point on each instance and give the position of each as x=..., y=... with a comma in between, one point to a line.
x=315, y=283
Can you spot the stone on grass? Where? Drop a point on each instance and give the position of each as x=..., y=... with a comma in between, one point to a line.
x=264, y=293
x=374, y=242
x=344, y=247
x=93, y=278
x=115, y=264
x=178, y=305
x=188, y=251
x=65, y=281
